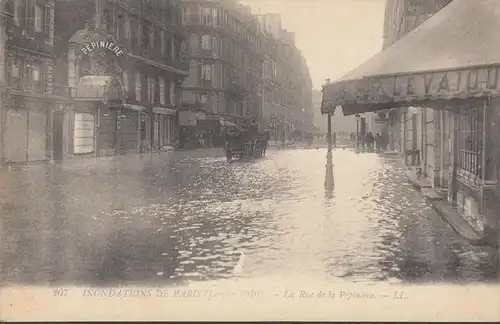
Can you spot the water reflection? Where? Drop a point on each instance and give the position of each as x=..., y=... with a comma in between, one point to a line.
x=160, y=220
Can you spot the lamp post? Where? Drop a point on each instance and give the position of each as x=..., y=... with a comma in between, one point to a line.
x=357, y=132
x=329, y=181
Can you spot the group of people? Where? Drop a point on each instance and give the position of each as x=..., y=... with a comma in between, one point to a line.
x=378, y=142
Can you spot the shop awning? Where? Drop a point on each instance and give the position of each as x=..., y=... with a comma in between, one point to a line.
x=453, y=54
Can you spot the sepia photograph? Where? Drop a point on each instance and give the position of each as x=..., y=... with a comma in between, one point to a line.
x=281, y=159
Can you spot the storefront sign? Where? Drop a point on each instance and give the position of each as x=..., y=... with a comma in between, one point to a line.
x=83, y=133
x=435, y=85
x=92, y=46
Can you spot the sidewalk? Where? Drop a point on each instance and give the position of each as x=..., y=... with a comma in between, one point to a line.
x=450, y=213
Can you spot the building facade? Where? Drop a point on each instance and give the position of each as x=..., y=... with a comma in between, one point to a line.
x=29, y=96
x=287, y=88
x=225, y=50
x=122, y=64
x=243, y=67
x=453, y=145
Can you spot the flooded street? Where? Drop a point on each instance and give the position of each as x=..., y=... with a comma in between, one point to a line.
x=159, y=220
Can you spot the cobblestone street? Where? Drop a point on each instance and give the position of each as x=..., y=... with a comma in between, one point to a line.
x=166, y=220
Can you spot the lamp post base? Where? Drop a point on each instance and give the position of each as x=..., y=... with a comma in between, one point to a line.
x=329, y=181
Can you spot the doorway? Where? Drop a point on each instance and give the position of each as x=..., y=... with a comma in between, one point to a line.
x=57, y=135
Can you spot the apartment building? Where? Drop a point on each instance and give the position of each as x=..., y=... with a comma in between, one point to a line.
x=225, y=49
x=287, y=87
x=122, y=62
x=27, y=42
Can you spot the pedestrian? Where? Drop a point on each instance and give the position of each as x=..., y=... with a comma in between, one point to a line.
x=378, y=142
x=334, y=139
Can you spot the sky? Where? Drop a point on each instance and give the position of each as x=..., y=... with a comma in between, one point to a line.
x=335, y=36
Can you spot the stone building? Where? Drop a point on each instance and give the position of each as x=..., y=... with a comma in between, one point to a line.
x=122, y=62
x=30, y=97
x=225, y=49
x=287, y=87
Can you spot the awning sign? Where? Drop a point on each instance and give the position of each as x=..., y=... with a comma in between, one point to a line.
x=92, y=46
x=435, y=85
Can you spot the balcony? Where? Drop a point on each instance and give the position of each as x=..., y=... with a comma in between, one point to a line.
x=62, y=90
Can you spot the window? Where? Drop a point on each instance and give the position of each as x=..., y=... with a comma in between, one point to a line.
x=172, y=93
x=28, y=75
x=134, y=32
x=120, y=28
x=125, y=83
x=162, y=41
x=162, y=91
x=151, y=89
x=146, y=35
x=206, y=17
x=138, y=87
x=30, y=24
x=206, y=42
x=18, y=14
x=215, y=17
x=206, y=72
x=471, y=134
x=15, y=74
x=38, y=19
x=37, y=79
x=152, y=38
x=46, y=20
x=173, y=49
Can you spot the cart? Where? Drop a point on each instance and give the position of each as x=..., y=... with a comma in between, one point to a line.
x=246, y=144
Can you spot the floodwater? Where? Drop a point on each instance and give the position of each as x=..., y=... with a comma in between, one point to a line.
x=164, y=220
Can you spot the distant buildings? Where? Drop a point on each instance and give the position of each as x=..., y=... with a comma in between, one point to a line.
x=287, y=86
x=341, y=125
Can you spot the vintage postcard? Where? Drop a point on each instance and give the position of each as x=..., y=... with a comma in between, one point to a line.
x=249, y=160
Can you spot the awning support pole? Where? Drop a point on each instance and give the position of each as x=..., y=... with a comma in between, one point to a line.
x=329, y=182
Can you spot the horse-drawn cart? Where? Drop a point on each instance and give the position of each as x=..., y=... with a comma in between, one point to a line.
x=246, y=144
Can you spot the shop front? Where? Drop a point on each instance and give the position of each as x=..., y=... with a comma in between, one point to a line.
x=444, y=79
x=100, y=123
x=164, y=124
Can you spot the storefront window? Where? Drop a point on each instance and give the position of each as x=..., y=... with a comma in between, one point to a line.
x=471, y=143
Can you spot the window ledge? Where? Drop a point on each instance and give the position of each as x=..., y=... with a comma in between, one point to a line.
x=469, y=179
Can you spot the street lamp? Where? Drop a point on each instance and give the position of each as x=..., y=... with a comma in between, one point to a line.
x=329, y=181
x=357, y=132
